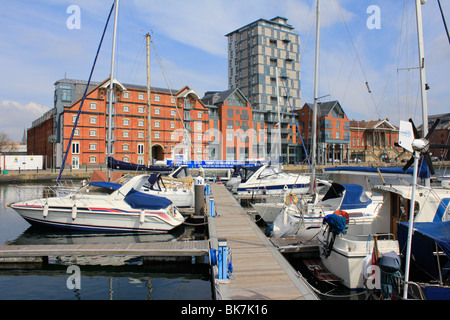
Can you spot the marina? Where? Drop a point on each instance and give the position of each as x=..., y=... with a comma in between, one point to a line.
x=272, y=220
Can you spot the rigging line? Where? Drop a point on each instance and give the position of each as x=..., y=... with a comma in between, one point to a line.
x=296, y=124
x=84, y=95
x=443, y=19
x=171, y=94
x=357, y=56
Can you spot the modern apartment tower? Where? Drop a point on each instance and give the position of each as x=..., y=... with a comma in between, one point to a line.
x=255, y=52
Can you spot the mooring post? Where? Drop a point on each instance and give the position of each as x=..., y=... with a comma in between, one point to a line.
x=211, y=207
x=222, y=259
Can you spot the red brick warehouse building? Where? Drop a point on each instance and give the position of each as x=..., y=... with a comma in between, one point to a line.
x=129, y=125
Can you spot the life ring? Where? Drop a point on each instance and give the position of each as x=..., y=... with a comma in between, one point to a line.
x=291, y=198
x=343, y=214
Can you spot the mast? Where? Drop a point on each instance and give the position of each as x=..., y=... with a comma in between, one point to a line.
x=279, y=118
x=314, y=124
x=149, y=113
x=425, y=132
x=111, y=91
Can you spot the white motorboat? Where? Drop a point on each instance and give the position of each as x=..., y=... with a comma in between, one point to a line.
x=125, y=209
x=179, y=191
x=345, y=254
x=304, y=219
x=270, y=180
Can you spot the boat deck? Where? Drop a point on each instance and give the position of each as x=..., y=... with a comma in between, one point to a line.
x=260, y=271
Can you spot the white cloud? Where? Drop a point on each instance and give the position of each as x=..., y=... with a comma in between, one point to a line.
x=17, y=117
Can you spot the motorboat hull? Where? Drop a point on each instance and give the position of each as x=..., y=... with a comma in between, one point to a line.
x=99, y=219
x=346, y=259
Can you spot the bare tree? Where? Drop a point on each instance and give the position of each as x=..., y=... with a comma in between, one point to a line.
x=5, y=143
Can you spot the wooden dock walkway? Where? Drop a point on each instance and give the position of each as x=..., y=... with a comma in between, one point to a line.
x=260, y=272
x=14, y=253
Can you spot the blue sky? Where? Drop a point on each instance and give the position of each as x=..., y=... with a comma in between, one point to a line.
x=37, y=49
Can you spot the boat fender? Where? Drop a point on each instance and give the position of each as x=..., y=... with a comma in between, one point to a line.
x=142, y=216
x=45, y=211
x=74, y=212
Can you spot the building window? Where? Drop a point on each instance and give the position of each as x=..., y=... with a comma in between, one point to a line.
x=157, y=124
x=157, y=135
x=66, y=95
x=92, y=133
x=140, y=123
x=93, y=120
x=157, y=98
x=199, y=126
x=93, y=106
x=141, y=96
x=172, y=100
x=126, y=147
x=141, y=109
x=126, y=134
x=141, y=135
x=92, y=159
x=126, y=122
x=92, y=146
x=75, y=148
x=74, y=118
x=140, y=148
x=172, y=125
x=173, y=113
x=126, y=108
x=76, y=132
x=126, y=95
x=199, y=114
x=157, y=111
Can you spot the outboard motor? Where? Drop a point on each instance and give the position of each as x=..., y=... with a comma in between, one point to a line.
x=390, y=274
x=337, y=224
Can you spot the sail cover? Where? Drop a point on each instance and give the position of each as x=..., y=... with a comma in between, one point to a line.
x=140, y=200
x=353, y=198
x=423, y=247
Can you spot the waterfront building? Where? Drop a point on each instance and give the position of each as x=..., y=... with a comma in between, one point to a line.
x=333, y=131
x=231, y=132
x=255, y=53
x=374, y=141
x=177, y=123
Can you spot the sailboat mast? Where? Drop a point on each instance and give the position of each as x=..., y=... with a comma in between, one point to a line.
x=416, y=155
x=423, y=91
x=111, y=90
x=279, y=118
x=314, y=122
x=149, y=113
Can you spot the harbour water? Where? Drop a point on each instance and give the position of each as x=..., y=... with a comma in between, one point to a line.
x=132, y=281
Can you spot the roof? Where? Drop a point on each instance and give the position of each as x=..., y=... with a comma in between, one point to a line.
x=271, y=21
x=219, y=97
x=373, y=124
x=324, y=108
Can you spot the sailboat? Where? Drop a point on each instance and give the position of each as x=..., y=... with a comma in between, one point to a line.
x=302, y=217
x=125, y=209
x=349, y=254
